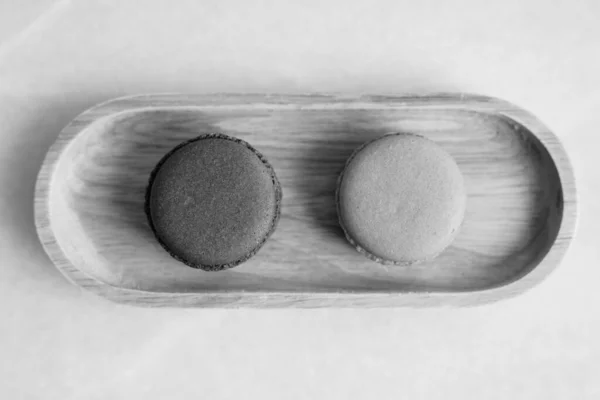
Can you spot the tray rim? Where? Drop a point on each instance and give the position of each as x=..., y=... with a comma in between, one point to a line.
x=240, y=298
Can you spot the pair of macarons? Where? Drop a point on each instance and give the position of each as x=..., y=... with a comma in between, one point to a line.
x=213, y=201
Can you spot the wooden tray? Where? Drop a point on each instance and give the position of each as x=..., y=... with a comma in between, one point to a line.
x=520, y=214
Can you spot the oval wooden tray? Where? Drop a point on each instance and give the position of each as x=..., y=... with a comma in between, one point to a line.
x=520, y=215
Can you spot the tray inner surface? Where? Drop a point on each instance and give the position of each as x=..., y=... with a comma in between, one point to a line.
x=513, y=211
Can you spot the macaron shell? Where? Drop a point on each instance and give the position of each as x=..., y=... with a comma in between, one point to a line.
x=213, y=202
x=401, y=199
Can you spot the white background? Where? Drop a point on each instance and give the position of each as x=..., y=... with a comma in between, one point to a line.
x=59, y=57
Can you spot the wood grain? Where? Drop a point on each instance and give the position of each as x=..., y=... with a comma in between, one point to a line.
x=520, y=217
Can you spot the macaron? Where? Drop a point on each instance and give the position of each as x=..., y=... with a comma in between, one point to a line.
x=401, y=199
x=213, y=201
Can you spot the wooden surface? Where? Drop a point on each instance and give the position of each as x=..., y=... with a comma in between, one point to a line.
x=520, y=216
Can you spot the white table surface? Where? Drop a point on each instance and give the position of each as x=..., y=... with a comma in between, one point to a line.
x=59, y=57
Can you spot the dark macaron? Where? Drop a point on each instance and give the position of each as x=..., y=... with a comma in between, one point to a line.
x=213, y=201
x=401, y=199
